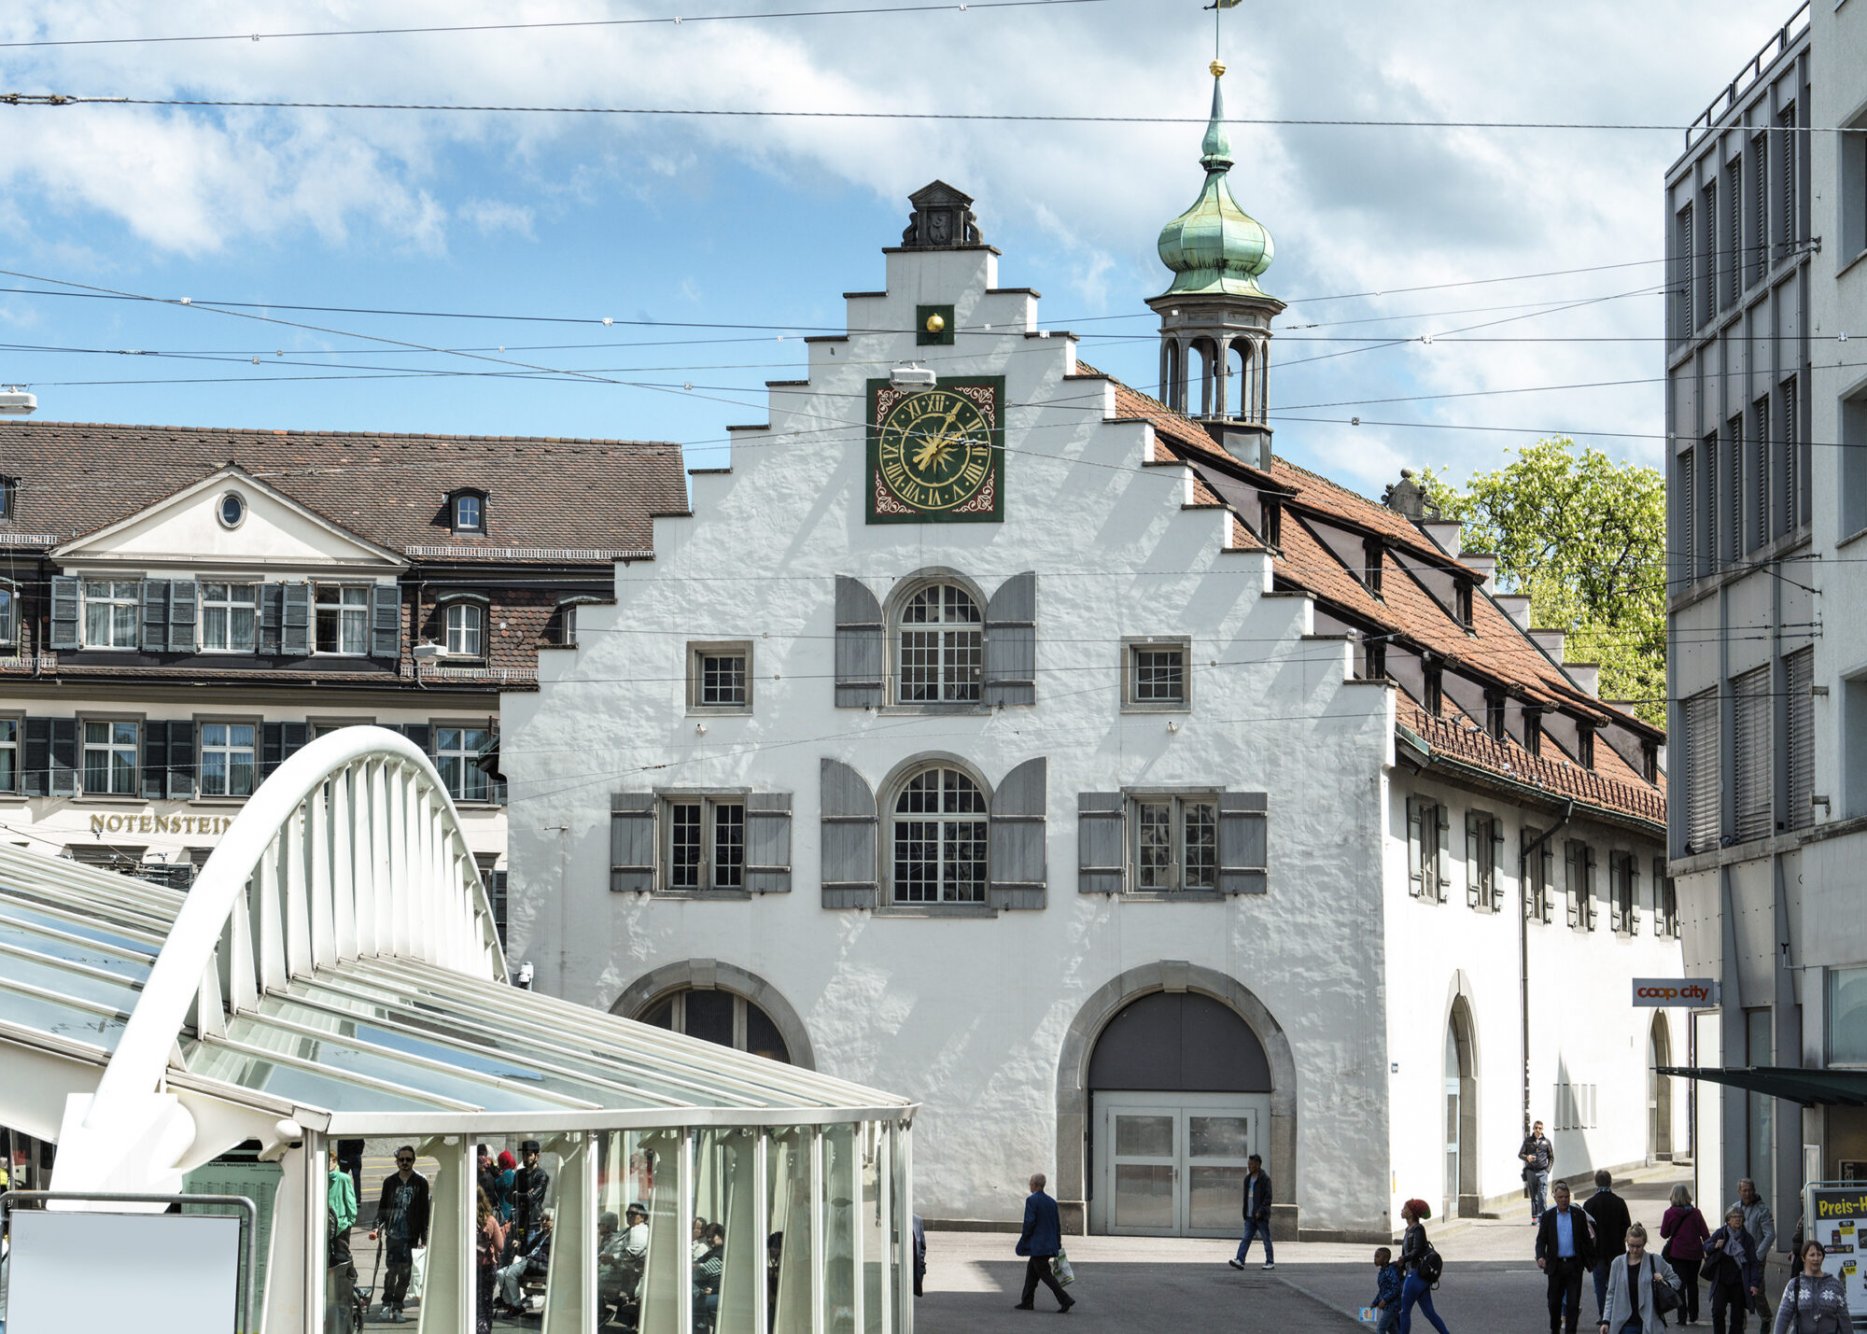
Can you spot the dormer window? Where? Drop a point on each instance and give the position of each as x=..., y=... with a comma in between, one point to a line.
x=1435, y=691
x=1462, y=602
x=1533, y=730
x=230, y=509
x=467, y=511
x=1271, y=518
x=1371, y=565
x=9, y=490
x=1585, y=745
x=1494, y=714
x=466, y=629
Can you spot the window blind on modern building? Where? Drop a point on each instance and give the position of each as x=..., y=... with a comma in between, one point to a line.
x=1752, y=758
x=1700, y=825
x=1799, y=677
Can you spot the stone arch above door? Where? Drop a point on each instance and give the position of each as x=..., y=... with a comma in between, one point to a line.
x=712, y=975
x=1109, y=1000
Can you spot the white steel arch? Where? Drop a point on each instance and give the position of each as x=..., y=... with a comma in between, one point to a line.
x=352, y=849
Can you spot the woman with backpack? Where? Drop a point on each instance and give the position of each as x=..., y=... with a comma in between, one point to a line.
x=1634, y=1281
x=489, y=1246
x=1814, y=1302
x=1419, y=1262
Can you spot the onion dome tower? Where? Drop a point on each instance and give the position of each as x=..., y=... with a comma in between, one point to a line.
x=1215, y=321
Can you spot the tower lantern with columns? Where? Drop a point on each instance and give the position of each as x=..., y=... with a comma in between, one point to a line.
x=1215, y=321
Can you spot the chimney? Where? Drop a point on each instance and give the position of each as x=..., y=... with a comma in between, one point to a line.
x=1586, y=675
x=1446, y=532
x=1516, y=606
x=1550, y=641
x=1482, y=563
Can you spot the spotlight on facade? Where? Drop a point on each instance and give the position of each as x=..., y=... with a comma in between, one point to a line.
x=16, y=402
x=912, y=376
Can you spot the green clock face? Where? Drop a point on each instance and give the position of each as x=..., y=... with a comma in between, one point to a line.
x=934, y=454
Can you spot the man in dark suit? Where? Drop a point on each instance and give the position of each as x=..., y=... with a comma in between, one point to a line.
x=1257, y=1215
x=1611, y=1223
x=1039, y=1243
x=1565, y=1250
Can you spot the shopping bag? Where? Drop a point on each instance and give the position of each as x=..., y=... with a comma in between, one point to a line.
x=418, y=1270
x=1062, y=1269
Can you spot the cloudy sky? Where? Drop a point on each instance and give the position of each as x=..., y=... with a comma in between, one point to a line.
x=713, y=243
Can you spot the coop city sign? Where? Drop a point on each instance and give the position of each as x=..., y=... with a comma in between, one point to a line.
x=1694, y=992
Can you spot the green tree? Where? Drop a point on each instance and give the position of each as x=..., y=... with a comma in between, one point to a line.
x=1585, y=537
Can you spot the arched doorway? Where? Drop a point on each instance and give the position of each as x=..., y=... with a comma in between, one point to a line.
x=1660, y=1090
x=1461, y=1120
x=1179, y=1095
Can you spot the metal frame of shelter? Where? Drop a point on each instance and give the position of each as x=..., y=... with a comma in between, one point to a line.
x=334, y=974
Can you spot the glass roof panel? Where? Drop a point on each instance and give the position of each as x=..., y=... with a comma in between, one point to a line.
x=343, y=1058
x=70, y=951
x=88, y=929
x=311, y=1088
x=46, y=975
x=45, y=1015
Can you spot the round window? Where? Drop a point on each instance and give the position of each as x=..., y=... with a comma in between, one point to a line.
x=232, y=509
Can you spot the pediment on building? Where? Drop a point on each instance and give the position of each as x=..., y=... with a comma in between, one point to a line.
x=229, y=519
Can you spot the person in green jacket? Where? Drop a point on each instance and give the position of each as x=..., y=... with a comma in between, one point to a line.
x=340, y=1279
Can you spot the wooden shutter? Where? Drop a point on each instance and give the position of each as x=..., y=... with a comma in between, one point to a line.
x=1016, y=850
x=1416, y=847
x=1243, y=843
x=858, y=645
x=295, y=620
x=847, y=831
x=1497, y=863
x=64, y=765
x=1572, y=881
x=1442, y=853
x=1799, y=717
x=182, y=762
x=64, y=612
x=184, y=614
x=155, y=621
x=1011, y=641
x=271, y=614
x=278, y=742
x=1101, y=851
x=421, y=734
x=1752, y=758
x=155, y=760
x=768, y=842
x=631, y=842
x=36, y=757
x=1530, y=868
x=1702, y=786
x=1475, y=848
x=386, y=621
x=1633, y=896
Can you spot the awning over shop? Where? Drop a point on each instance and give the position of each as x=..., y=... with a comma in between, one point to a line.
x=1811, y=1088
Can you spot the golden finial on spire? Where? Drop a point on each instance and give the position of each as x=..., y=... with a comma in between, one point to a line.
x=1218, y=69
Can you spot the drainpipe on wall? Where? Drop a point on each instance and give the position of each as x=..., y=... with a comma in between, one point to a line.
x=1523, y=946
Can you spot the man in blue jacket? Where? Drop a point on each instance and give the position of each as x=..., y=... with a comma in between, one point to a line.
x=1041, y=1240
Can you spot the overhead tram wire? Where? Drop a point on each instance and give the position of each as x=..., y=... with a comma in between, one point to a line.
x=664, y=20
x=61, y=100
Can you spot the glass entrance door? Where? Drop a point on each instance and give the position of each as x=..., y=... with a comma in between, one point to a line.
x=1174, y=1165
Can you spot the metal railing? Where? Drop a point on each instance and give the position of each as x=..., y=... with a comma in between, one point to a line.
x=1747, y=77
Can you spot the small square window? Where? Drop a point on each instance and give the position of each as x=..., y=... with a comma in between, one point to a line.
x=1175, y=842
x=469, y=512
x=704, y=843
x=1156, y=675
x=719, y=677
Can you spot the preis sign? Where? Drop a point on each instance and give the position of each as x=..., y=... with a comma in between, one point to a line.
x=1694, y=992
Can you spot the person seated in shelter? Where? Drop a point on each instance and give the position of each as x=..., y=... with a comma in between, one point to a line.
x=707, y=1271
x=699, y=1247
x=774, y=1261
x=532, y=1257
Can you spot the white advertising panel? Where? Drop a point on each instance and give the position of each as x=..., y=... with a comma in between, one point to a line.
x=93, y=1273
x=1694, y=993
x=1836, y=1216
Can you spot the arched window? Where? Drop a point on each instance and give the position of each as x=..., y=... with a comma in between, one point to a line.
x=719, y=1016
x=466, y=629
x=939, y=647
x=937, y=838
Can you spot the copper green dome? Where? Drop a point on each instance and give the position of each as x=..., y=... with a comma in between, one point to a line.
x=1215, y=246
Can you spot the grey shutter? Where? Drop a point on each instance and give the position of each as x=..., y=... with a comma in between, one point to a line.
x=1474, y=854
x=1416, y=848
x=386, y=621
x=1527, y=868
x=1244, y=843
x=181, y=759
x=1633, y=894
x=1799, y=716
x=295, y=620
x=631, y=842
x=1497, y=864
x=64, y=766
x=64, y=611
x=858, y=645
x=848, y=830
x=155, y=761
x=1752, y=758
x=1702, y=782
x=36, y=777
x=1572, y=881
x=271, y=748
x=1011, y=641
x=421, y=734
x=271, y=612
x=183, y=615
x=1101, y=860
x=1442, y=853
x=155, y=635
x=1016, y=853
x=768, y=842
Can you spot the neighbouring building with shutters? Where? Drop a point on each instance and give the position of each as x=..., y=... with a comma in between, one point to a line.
x=1130, y=796
x=1767, y=492
x=181, y=609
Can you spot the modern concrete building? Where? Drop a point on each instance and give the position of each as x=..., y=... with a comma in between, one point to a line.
x=181, y=610
x=1132, y=797
x=1767, y=423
